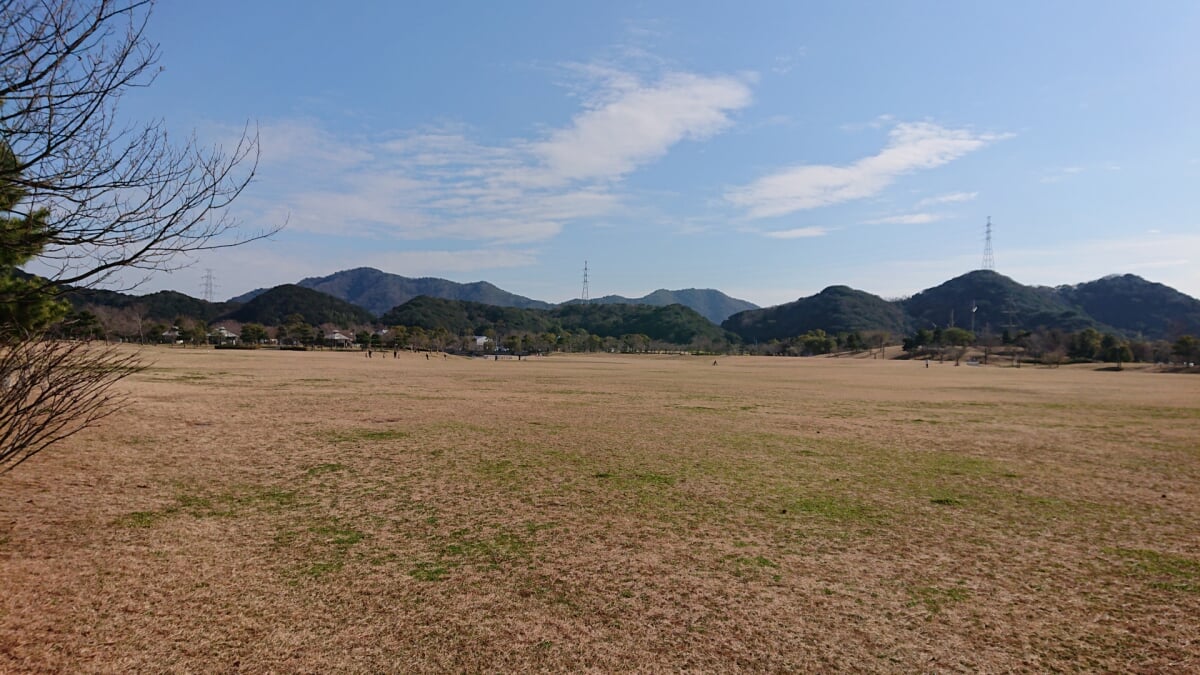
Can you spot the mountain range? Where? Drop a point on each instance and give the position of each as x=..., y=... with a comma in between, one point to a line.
x=982, y=300
x=711, y=304
x=985, y=301
x=378, y=292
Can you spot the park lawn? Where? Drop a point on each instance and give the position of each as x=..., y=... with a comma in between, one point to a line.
x=323, y=511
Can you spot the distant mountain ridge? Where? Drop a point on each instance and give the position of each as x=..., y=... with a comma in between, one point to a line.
x=1133, y=305
x=709, y=303
x=675, y=324
x=998, y=301
x=987, y=302
x=379, y=291
x=837, y=309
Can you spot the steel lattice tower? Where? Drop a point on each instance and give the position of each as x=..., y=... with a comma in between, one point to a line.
x=209, y=285
x=989, y=262
x=584, y=296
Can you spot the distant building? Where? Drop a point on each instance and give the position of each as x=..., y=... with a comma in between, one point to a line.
x=222, y=336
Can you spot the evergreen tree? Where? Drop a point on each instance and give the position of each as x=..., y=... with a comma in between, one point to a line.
x=25, y=307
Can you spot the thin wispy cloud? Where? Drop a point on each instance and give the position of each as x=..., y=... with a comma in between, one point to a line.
x=911, y=147
x=263, y=264
x=906, y=219
x=638, y=126
x=950, y=198
x=441, y=183
x=1063, y=173
x=879, y=122
x=785, y=62
x=797, y=233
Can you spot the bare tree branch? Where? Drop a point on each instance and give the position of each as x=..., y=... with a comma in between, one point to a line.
x=88, y=195
x=50, y=389
x=119, y=196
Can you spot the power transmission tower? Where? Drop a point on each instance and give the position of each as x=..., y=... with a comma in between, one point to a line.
x=989, y=261
x=584, y=296
x=209, y=285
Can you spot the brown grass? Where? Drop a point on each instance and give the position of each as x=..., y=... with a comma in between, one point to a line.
x=266, y=511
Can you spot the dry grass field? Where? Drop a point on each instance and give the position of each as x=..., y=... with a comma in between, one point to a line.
x=320, y=512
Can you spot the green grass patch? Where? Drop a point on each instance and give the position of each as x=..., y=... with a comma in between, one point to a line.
x=499, y=548
x=753, y=567
x=142, y=518
x=654, y=479
x=838, y=509
x=948, y=464
x=468, y=548
x=270, y=498
x=636, y=479
x=365, y=435
x=324, y=469
x=459, y=427
x=756, y=441
x=338, y=537
x=320, y=569
x=935, y=598
x=325, y=546
x=429, y=571
x=497, y=468
x=221, y=505
x=1166, y=571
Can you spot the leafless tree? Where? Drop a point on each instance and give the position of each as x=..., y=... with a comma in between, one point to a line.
x=113, y=197
x=120, y=196
x=50, y=389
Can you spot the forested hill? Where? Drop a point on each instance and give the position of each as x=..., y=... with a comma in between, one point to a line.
x=272, y=307
x=462, y=317
x=837, y=309
x=988, y=302
x=1135, y=306
x=675, y=324
x=999, y=302
x=709, y=303
x=1126, y=305
x=160, y=306
x=379, y=291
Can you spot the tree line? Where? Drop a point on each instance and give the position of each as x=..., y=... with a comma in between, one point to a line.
x=1052, y=346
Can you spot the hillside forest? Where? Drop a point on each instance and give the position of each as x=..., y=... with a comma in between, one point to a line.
x=1120, y=319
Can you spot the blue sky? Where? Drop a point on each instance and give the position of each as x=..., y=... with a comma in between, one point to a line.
x=767, y=150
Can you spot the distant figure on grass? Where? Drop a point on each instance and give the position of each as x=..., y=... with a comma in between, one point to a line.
x=426, y=356
x=714, y=363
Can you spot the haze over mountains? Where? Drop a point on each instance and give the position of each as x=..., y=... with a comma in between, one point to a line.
x=982, y=300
